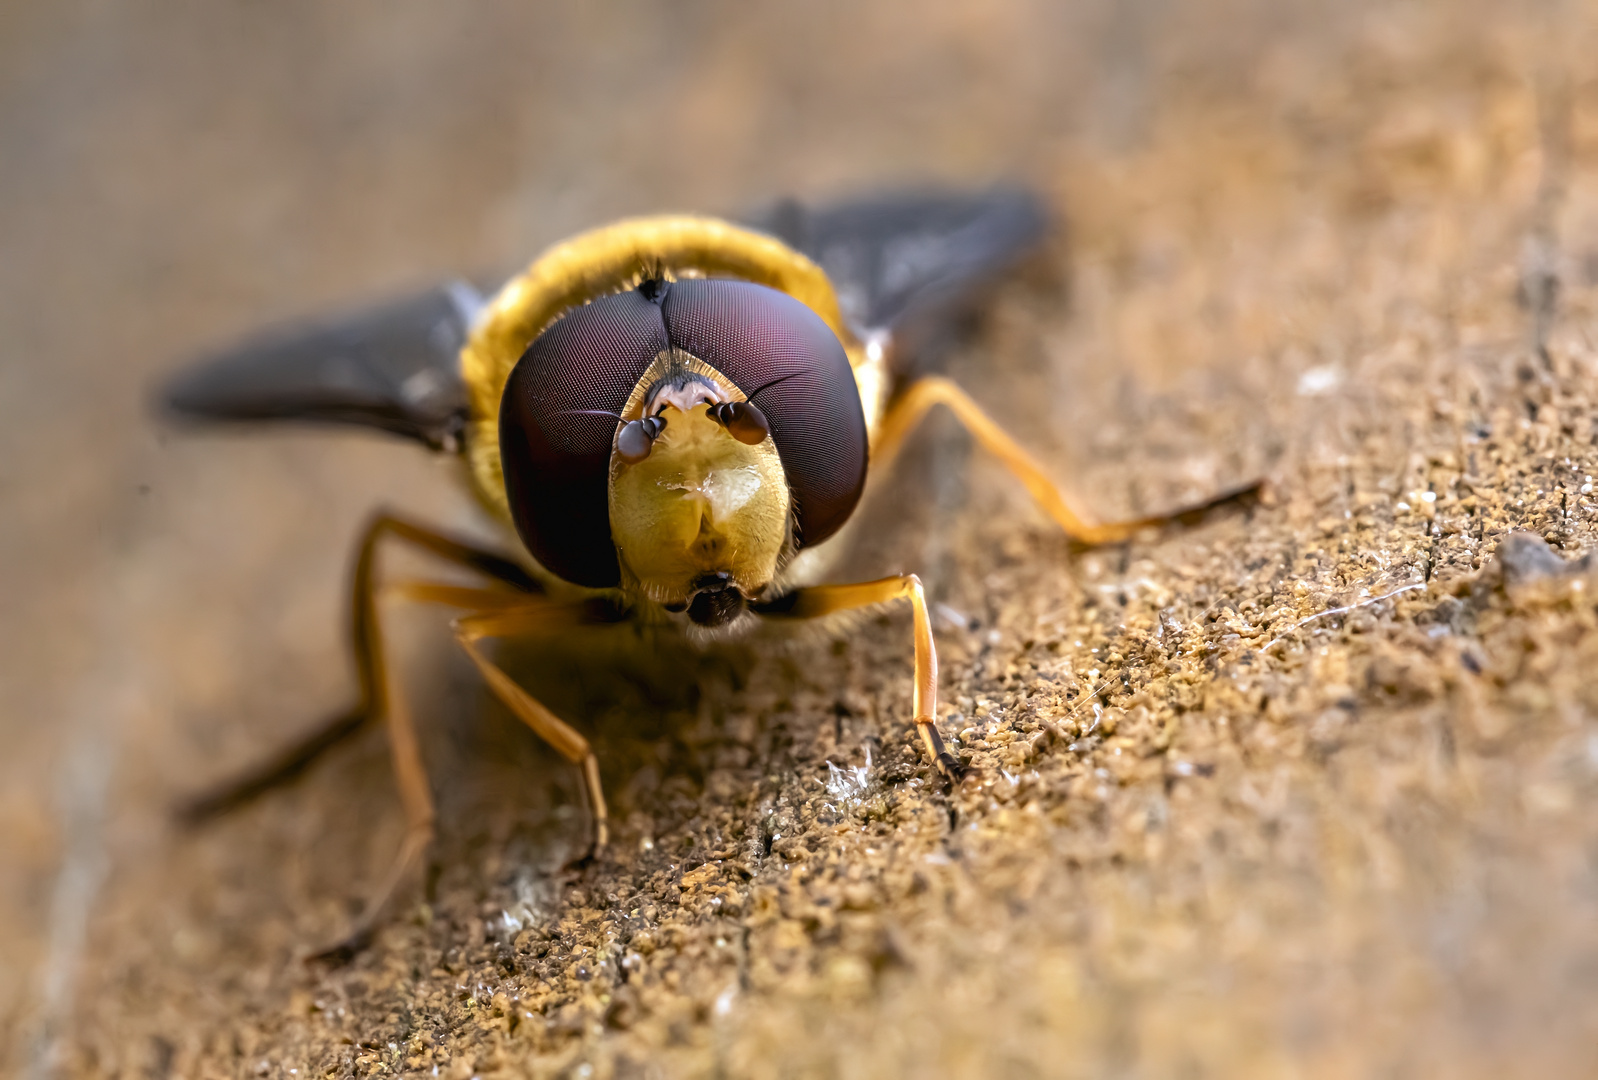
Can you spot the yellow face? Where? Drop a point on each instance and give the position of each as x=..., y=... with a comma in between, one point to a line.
x=703, y=512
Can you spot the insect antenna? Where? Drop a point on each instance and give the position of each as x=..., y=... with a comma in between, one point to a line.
x=751, y=395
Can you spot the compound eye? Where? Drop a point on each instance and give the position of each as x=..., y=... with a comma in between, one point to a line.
x=637, y=438
x=783, y=356
x=744, y=421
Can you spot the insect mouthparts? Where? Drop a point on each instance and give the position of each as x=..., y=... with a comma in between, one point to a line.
x=717, y=601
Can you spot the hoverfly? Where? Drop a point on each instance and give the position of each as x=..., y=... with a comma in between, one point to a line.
x=674, y=415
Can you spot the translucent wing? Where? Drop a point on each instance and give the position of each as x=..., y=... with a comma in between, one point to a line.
x=908, y=263
x=394, y=367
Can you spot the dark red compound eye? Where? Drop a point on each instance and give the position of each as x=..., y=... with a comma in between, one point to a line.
x=559, y=415
x=793, y=366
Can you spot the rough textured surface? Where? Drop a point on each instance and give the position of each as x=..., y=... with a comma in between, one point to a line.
x=1303, y=791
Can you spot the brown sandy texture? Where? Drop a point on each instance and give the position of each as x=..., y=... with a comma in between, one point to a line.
x=1303, y=790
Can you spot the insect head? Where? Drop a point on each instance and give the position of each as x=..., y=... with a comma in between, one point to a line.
x=635, y=457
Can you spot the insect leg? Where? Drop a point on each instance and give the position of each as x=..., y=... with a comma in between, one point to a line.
x=817, y=601
x=364, y=644
x=566, y=740
x=496, y=608
x=378, y=699
x=282, y=767
x=923, y=394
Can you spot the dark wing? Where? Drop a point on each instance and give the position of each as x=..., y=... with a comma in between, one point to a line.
x=394, y=367
x=909, y=263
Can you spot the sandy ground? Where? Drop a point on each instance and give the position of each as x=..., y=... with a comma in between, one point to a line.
x=1303, y=790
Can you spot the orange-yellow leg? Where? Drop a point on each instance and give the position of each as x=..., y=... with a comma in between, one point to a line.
x=568, y=742
x=493, y=612
x=820, y=600
x=295, y=759
x=912, y=405
x=380, y=700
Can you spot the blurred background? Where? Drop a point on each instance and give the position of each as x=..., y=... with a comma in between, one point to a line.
x=176, y=175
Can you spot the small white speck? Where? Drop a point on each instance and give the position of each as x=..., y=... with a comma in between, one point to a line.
x=1428, y=496
x=1318, y=380
x=423, y=385
x=724, y=1000
x=849, y=783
